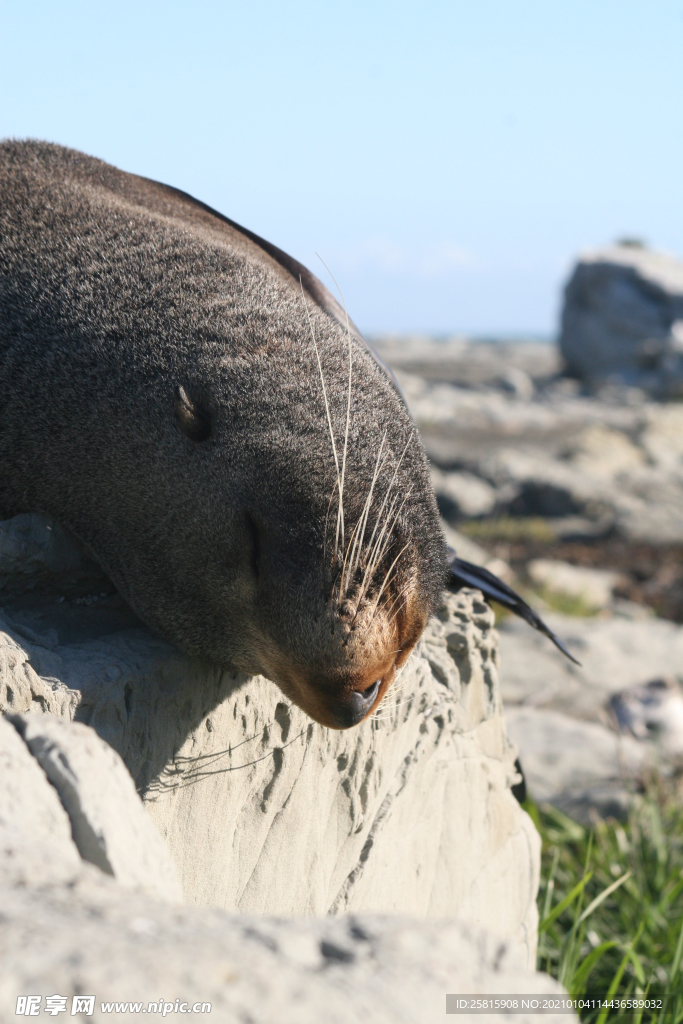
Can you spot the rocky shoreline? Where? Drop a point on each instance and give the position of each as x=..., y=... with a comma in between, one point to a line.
x=574, y=493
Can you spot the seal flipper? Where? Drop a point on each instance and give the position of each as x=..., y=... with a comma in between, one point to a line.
x=466, y=574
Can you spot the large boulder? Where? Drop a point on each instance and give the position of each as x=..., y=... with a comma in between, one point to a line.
x=264, y=811
x=623, y=319
x=75, y=935
x=588, y=735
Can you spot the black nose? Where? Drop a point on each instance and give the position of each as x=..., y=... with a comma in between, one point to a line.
x=355, y=707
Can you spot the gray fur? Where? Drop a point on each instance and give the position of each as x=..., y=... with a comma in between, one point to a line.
x=116, y=292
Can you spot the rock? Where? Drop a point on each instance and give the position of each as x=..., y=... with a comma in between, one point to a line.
x=108, y=822
x=615, y=653
x=653, y=713
x=470, y=551
x=561, y=716
x=264, y=811
x=622, y=319
x=610, y=462
x=593, y=587
x=93, y=937
x=515, y=366
x=662, y=438
x=602, y=451
x=38, y=552
x=419, y=798
x=462, y=495
x=534, y=485
x=465, y=546
x=36, y=847
x=518, y=382
x=575, y=765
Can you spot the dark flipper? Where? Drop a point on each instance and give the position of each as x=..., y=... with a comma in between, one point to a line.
x=465, y=574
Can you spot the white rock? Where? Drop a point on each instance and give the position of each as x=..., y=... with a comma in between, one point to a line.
x=264, y=811
x=574, y=765
x=622, y=305
x=36, y=847
x=464, y=546
x=561, y=715
x=653, y=713
x=94, y=937
x=614, y=653
x=462, y=494
x=108, y=822
x=603, y=451
x=518, y=382
x=592, y=586
x=662, y=438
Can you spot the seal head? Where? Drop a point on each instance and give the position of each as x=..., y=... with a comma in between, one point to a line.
x=190, y=403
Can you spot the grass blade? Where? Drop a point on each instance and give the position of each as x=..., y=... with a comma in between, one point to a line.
x=566, y=902
x=578, y=985
x=603, y=896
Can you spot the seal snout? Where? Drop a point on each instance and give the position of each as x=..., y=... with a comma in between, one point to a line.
x=353, y=708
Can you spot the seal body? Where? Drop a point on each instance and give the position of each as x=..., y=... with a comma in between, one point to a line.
x=187, y=400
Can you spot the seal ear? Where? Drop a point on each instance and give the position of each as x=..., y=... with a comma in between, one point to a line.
x=196, y=422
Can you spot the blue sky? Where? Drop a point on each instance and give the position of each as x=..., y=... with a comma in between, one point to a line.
x=446, y=159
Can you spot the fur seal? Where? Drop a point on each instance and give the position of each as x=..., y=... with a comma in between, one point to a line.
x=195, y=406
x=191, y=403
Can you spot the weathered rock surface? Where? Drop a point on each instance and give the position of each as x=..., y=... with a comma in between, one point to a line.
x=623, y=319
x=264, y=811
x=481, y=364
x=108, y=821
x=35, y=831
x=69, y=928
x=93, y=938
x=561, y=715
x=591, y=464
x=653, y=711
x=575, y=765
x=593, y=587
x=581, y=464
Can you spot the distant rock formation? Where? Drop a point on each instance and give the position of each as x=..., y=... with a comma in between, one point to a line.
x=623, y=319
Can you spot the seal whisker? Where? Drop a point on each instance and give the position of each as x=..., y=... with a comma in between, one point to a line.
x=389, y=526
x=383, y=541
x=327, y=517
x=360, y=528
x=340, y=513
x=382, y=544
x=371, y=567
x=366, y=511
x=327, y=407
x=342, y=587
x=388, y=709
x=373, y=561
x=356, y=540
x=386, y=579
x=388, y=491
x=385, y=706
x=399, y=595
x=391, y=618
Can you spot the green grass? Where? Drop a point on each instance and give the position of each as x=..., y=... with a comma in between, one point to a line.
x=509, y=528
x=611, y=904
x=566, y=604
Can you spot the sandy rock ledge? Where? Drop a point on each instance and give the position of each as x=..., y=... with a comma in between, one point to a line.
x=263, y=813
x=67, y=927
x=266, y=812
